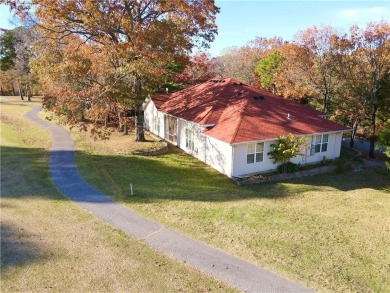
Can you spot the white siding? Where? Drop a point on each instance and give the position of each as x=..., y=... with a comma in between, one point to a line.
x=213, y=152
x=218, y=154
x=240, y=166
x=181, y=137
x=150, y=115
x=227, y=159
x=333, y=151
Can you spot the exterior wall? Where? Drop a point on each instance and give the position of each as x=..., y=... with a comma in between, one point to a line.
x=240, y=166
x=213, y=152
x=219, y=155
x=197, y=146
x=227, y=159
x=150, y=114
x=333, y=152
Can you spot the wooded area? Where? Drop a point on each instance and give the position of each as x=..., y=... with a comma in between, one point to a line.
x=99, y=61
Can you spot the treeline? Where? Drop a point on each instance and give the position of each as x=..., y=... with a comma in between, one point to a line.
x=98, y=61
x=15, y=54
x=346, y=75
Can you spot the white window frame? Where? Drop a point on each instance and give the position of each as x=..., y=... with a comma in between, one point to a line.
x=156, y=123
x=190, y=139
x=255, y=153
x=319, y=144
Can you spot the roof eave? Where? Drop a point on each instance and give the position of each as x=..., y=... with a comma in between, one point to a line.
x=307, y=134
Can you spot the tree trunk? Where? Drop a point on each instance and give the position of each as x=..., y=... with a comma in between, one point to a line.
x=353, y=134
x=325, y=103
x=13, y=91
x=371, y=152
x=2, y=92
x=20, y=90
x=139, y=122
x=139, y=113
x=28, y=93
x=374, y=107
x=120, y=129
x=126, y=130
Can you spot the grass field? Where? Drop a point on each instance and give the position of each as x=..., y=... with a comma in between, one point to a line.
x=331, y=232
x=49, y=244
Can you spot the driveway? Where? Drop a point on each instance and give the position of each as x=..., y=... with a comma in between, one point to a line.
x=214, y=262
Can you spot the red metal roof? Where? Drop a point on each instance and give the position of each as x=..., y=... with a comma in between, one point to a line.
x=242, y=113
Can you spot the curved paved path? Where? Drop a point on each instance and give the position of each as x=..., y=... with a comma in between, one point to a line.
x=236, y=272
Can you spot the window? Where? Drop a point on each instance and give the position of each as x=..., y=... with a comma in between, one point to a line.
x=156, y=122
x=171, y=128
x=255, y=152
x=319, y=143
x=190, y=139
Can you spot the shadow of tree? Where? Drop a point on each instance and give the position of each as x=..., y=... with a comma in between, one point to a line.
x=172, y=176
x=25, y=172
x=16, y=249
x=178, y=176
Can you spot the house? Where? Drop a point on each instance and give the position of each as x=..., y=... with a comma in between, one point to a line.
x=231, y=126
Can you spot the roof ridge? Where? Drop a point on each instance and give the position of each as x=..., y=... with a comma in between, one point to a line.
x=245, y=101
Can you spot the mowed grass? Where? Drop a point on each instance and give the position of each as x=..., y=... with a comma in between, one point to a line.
x=331, y=232
x=49, y=244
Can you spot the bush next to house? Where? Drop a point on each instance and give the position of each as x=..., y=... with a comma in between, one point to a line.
x=286, y=148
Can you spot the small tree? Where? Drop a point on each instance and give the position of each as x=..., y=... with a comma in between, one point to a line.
x=267, y=67
x=384, y=141
x=287, y=147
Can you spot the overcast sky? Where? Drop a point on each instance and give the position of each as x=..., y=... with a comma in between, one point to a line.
x=241, y=21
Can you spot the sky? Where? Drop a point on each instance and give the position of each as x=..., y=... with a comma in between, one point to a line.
x=242, y=21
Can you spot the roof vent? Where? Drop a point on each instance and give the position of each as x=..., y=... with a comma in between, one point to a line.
x=288, y=116
x=216, y=80
x=258, y=98
x=238, y=83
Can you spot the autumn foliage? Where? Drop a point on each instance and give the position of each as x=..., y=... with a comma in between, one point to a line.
x=99, y=60
x=101, y=56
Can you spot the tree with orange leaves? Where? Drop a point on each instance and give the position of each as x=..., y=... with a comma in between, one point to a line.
x=199, y=69
x=364, y=65
x=125, y=45
x=318, y=64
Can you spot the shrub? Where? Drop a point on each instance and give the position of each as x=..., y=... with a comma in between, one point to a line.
x=289, y=168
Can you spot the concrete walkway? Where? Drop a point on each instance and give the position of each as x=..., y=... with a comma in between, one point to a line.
x=231, y=270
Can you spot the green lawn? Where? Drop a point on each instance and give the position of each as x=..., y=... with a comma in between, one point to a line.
x=331, y=232
x=51, y=244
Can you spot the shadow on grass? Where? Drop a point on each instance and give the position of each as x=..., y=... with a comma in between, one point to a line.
x=20, y=103
x=17, y=249
x=173, y=176
x=25, y=173
x=178, y=176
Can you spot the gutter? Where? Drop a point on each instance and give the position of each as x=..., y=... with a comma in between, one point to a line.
x=308, y=134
